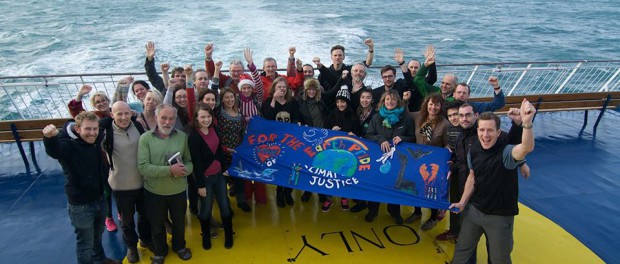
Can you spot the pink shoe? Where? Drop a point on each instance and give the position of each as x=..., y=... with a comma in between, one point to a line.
x=110, y=225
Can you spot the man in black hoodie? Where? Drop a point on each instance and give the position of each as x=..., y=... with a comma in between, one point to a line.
x=78, y=150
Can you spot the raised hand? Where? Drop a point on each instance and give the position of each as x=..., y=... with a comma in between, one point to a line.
x=494, y=81
x=150, y=50
x=291, y=52
x=84, y=90
x=370, y=43
x=208, y=50
x=407, y=95
x=345, y=73
x=50, y=131
x=299, y=65
x=317, y=61
x=527, y=112
x=515, y=115
x=247, y=53
x=358, y=84
x=165, y=67
x=399, y=55
x=188, y=70
x=125, y=81
x=218, y=65
x=429, y=54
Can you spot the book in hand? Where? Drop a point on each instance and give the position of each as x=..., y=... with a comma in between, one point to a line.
x=176, y=158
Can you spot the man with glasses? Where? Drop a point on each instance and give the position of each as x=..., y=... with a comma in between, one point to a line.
x=388, y=75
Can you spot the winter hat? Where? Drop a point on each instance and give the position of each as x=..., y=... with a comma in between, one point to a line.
x=245, y=80
x=343, y=94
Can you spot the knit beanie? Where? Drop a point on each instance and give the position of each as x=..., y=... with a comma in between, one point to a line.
x=343, y=94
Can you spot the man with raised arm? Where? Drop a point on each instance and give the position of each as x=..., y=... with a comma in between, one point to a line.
x=236, y=70
x=329, y=75
x=416, y=96
x=448, y=82
x=490, y=198
x=149, y=66
x=165, y=163
x=354, y=83
x=388, y=75
x=294, y=77
x=85, y=172
x=462, y=93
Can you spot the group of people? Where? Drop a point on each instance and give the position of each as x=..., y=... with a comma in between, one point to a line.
x=174, y=144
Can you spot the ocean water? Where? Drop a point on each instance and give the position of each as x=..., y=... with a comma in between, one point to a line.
x=54, y=37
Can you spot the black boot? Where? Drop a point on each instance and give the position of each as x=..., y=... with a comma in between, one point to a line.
x=205, y=227
x=228, y=232
x=280, y=197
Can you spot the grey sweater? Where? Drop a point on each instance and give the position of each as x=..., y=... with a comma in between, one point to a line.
x=125, y=176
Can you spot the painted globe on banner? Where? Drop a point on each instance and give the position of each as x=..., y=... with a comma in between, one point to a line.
x=339, y=161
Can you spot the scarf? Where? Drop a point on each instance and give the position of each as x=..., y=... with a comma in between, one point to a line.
x=427, y=131
x=390, y=117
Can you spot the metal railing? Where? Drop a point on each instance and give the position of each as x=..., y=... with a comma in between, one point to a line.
x=46, y=96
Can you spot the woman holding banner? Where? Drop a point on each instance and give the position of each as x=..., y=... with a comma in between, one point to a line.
x=281, y=106
x=390, y=124
x=431, y=128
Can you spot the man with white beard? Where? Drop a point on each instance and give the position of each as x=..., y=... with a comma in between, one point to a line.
x=165, y=163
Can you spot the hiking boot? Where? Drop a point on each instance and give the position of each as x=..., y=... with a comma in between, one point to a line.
x=288, y=198
x=132, y=255
x=430, y=223
x=306, y=196
x=280, y=200
x=370, y=216
x=358, y=207
x=326, y=206
x=441, y=214
x=184, y=254
x=344, y=203
x=157, y=260
x=244, y=207
x=397, y=219
x=412, y=218
x=448, y=235
x=110, y=225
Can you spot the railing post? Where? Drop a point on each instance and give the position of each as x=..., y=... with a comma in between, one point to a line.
x=568, y=78
x=605, y=87
x=472, y=74
x=519, y=80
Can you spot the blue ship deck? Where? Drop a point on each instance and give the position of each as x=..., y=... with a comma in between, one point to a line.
x=568, y=214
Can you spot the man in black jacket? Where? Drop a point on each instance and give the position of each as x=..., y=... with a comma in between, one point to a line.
x=86, y=172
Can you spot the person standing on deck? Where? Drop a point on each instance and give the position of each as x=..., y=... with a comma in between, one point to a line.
x=121, y=136
x=328, y=76
x=490, y=199
x=165, y=162
x=86, y=173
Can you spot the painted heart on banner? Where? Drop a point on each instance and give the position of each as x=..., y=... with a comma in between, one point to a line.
x=266, y=152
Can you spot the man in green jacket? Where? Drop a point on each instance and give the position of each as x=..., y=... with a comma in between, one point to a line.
x=165, y=163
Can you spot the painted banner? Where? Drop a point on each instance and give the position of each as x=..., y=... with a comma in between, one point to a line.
x=334, y=163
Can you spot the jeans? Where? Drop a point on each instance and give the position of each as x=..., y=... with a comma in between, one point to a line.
x=216, y=189
x=89, y=222
x=129, y=203
x=157, y=209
